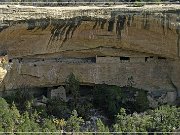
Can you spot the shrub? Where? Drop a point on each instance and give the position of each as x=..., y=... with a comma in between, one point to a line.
x=112, y=98
x=19, y=96
x=84, y=108
x=108, y=98
x=58, y=108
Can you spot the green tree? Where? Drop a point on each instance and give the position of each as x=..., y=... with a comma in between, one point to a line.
x=6, y=116
x=15, y=116
x=84, y=108
x=48, y=126
x=74, y=122
x=112, y=98
x=20, y=95
x=102, y=128
x=165, y=118
x=72, y=86
x=58, y=108
x=131, y=123
x=108, y=97
x=28, y=124
x=162, y=119
x=1, y=128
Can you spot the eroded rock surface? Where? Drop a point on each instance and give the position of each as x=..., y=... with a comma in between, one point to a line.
x=113, y=45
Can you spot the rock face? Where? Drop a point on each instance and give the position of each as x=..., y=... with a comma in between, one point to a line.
x=112, y=45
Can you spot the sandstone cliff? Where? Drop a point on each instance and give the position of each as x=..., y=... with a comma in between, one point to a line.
x=46, y=44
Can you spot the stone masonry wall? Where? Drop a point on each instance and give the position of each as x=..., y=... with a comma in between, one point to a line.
x=149, y=76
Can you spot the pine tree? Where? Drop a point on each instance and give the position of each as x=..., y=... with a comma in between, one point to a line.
x=48, y=126
x=27, y=124
x=74, y=122
x=72, y=86
x=102, y=128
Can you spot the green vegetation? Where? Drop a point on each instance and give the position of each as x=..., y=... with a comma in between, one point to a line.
x=119, y=105
x=163, y=119
x=19, y=96
x=112, y=98
x=72, y=87
x=57, y=108
x=74, y=122
x=108, y=98
x=101, y=127
x=12, y=121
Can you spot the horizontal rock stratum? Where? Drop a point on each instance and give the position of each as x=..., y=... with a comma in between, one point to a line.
x=115, y=45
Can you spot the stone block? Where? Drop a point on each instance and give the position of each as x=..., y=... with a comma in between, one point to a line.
x=60, y=92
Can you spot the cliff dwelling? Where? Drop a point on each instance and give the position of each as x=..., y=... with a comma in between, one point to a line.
x=113, y=46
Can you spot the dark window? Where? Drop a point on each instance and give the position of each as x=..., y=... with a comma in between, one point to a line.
x=10, y=60
x=124, y=58
x=101, y=56
x=92, y=59
x=163, y=58
x=146, y=58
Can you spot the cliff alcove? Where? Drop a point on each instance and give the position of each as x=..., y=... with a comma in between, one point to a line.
x=45, y=45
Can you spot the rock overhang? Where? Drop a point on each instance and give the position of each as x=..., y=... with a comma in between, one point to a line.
x=89, y=32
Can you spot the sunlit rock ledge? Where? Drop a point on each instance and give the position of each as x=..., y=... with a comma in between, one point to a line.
x=19, y=12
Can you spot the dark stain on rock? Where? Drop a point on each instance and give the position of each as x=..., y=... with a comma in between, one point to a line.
x=103, y=22
x=166, y=22
x=163, y=23
x=64, y=29
x=5, y=24
x=146, y=23
x=111, y=24
x=77, y=24
x=31, y=24
x=95, y=25
x=3, y=27
x=99, y=22
x=169, y=22
x=129, y=20
x=38, y=24
x=120, y=25
x=56, y=31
